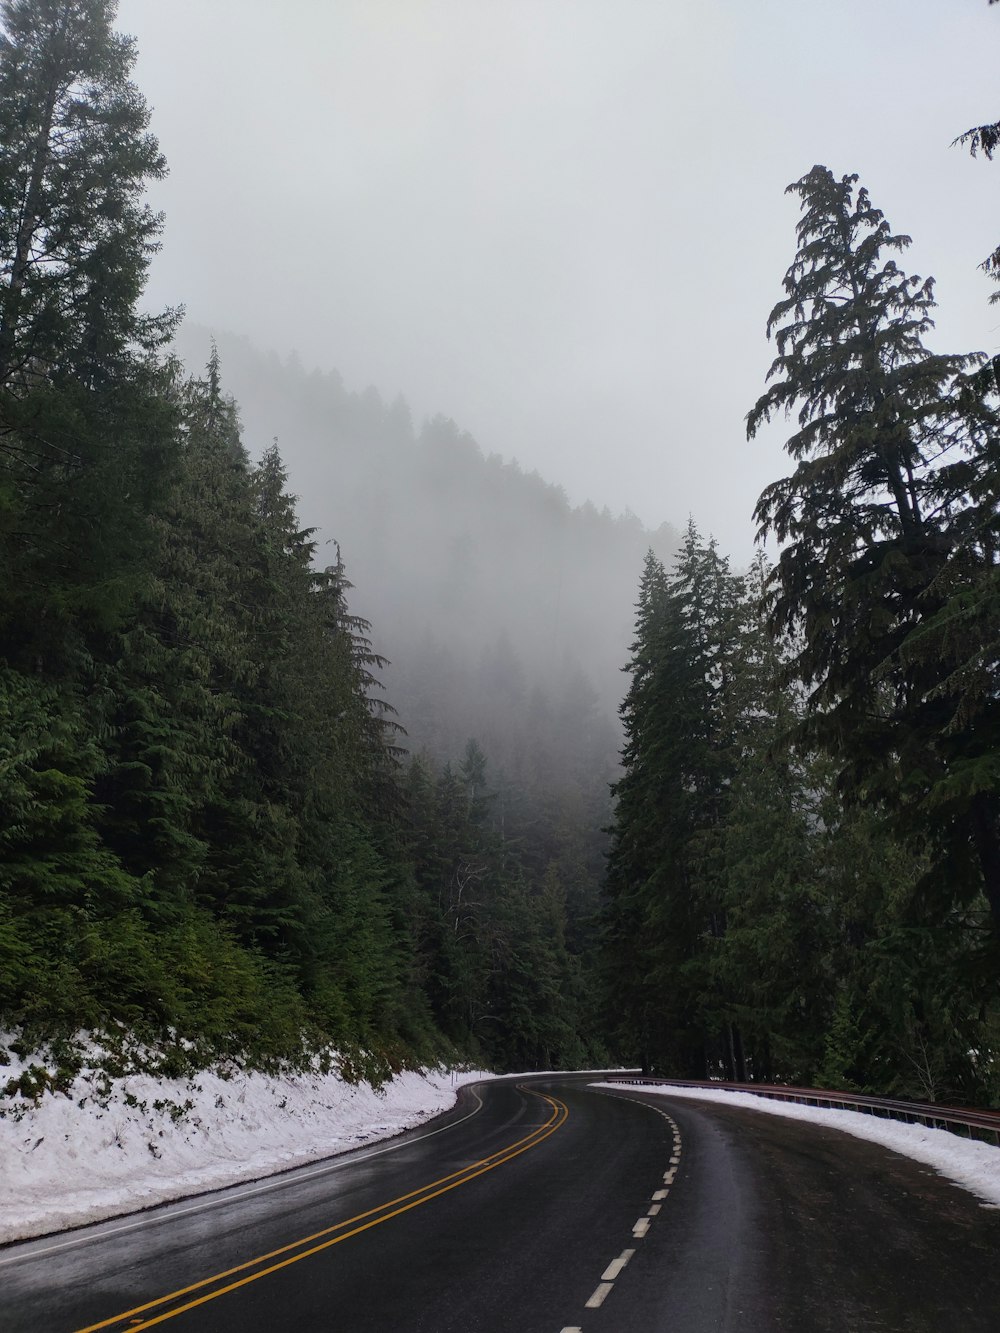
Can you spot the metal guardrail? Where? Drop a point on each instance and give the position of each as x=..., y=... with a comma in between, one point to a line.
x=974, y=1122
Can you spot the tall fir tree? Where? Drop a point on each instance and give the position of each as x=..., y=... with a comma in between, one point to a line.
x=880, y=540
x=85, y=444
x=662, y=909
x=76, y=237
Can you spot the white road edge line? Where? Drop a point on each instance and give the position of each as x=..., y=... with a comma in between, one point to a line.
x=599, y=1296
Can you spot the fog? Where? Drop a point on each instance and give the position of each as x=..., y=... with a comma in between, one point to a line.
x=506, y=613
x=433, y=237
x=559, y=222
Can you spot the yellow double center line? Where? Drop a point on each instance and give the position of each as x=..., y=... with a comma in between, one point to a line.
x=198, y=1293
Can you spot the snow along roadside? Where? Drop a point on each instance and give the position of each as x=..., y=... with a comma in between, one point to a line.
x=973, y=1165
x=99, y=1151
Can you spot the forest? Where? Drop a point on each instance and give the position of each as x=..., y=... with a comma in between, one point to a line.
x=806, y=845
x=263, y=795
x=220, y=830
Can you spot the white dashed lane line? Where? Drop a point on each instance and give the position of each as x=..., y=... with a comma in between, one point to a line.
x=641, y=1227
x=616, y=1266
x=599, y=1296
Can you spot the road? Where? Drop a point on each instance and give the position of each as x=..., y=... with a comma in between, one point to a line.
x=542, y=1208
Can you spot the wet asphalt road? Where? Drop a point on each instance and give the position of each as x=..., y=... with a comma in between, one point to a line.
x=544, y=1208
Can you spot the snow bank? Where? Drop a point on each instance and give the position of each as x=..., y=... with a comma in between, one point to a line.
x=112, y=1146
x=973, y=1165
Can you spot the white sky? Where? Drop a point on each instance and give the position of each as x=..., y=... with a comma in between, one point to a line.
x=561, y=222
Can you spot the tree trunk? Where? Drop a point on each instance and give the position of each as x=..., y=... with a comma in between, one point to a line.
x=30, y=214
x=738, y=1055
x=986, y=830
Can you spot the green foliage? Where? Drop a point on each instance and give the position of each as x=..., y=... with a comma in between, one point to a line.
x=490, y=937
x=885, y=585
x=208, y=841
x=677, y=764
x=840, y=1048
x=76, y=238
x=757, y=925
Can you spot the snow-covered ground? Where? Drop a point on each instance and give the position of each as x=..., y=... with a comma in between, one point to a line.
x=111, y=1146
x=973, y=1165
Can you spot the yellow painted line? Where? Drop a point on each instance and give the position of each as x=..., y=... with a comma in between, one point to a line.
x=375, y=1216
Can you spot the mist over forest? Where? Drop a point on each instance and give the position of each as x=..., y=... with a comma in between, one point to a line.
x=504, y=614
x=488, y=592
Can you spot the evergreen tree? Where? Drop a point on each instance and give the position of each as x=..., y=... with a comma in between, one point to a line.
x=677, y=758
x=86, y=439
x=169, y=678
x=75, y=236
x=198, y=767
x=757, y=926
x=880, y=539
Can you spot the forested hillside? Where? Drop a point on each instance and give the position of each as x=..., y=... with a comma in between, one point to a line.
x=212, y=836
x=503, y=612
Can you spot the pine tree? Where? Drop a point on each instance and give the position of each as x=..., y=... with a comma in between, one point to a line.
x=169, y=680
x=662, y=909
x=881, y=542
x=56, y=879
x=749, y=856
x=86, y=440
x=75, y=237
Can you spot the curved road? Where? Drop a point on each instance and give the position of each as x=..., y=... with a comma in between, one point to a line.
x=544, y=1207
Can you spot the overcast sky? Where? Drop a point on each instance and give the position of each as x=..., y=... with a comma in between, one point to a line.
x=561, y=222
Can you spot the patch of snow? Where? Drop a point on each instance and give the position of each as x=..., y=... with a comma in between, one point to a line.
x=973, y=1165
x=111, y=1146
